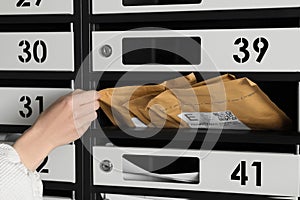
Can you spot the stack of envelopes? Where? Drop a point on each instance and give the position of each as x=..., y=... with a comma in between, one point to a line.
x=223, y=102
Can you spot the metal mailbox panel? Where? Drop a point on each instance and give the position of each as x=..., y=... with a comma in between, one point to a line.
x=51, y=51
x=60, y=165
x=120, y=6
x=22, y=106
x=9, y=7
x=235, y=50
x=278, y=174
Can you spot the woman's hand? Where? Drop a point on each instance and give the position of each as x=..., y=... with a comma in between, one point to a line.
x=63, y=122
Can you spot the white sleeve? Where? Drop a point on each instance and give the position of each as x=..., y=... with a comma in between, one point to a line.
x=16, y=181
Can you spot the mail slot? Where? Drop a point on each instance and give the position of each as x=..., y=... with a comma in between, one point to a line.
x=240, y=172
x=234, y=50
x=59, y=166
x=37, y=51
x=56, y=198
x=23, y=105
x=136, y=197
x=20, y=7
x=194, y=197
x=135, y=6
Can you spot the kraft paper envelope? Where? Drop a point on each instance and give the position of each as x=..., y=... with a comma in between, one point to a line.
x=113, y=99
x=138, y=106
x=236, y=103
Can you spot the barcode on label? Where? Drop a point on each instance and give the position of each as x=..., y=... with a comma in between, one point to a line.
x=225, y=116
x=215, y=120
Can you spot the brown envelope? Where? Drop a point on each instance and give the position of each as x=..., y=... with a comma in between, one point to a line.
x=242, y=97
x=113, y=100
x=138, y=106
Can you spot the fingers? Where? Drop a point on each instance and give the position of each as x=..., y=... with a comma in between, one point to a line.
x=86, y=109
x=78, y=91
x=85, y=105
x=85, y=119
x=85, y=97
x=83, y=129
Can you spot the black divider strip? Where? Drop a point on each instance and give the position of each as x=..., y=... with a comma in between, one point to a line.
x=191, y=195
x=198, y=15
x=39, y=27
x=203, y=24
x=36, y=84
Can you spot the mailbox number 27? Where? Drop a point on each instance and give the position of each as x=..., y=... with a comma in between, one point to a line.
x=27, y=3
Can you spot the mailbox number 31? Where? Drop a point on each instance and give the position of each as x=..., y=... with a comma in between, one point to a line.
x=260, y=45
x=27, y=107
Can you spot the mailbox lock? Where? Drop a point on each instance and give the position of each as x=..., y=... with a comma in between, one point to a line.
x=106, y=166
x=106, y=51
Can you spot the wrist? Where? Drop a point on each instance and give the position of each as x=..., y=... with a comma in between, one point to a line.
x=33, y=147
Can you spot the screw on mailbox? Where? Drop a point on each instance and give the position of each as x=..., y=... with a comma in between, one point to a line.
x=106, y=51
x=106, y=166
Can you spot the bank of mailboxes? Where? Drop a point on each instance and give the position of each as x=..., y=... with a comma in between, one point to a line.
x=38, y=51
x=21, y=7
x=137, y=6
x=216, y=50
x=44, y=51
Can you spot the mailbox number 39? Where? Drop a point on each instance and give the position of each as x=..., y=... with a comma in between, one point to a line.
x=260, y=45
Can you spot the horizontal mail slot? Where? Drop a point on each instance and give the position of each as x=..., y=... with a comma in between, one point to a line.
x=219, y=171
x=234, y=50
x=219, y=196
x=56, y=198
x=134, y=6
x=60, y=165
x=8, y=7
x=33, y=51
x=22, y=106
x=134, y=197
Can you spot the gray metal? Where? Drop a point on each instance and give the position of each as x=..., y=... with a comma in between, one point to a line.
x=116, y=6
x=9, y=7
x=61, y=165
x=60, y=51
x=11, y=105
x=279, y=172
x=217, y=50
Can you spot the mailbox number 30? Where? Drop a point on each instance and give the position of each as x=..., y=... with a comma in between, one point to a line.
x=27, y=53
x=260, y=45
x=26, y=3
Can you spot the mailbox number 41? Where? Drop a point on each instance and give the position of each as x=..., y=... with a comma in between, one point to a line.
x=240, y=173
